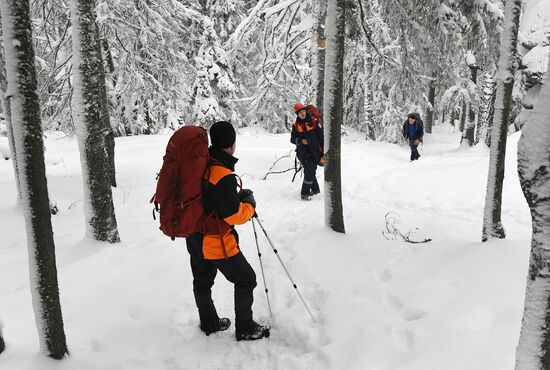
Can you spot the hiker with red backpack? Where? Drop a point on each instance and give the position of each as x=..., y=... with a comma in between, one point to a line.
x=210, y=253
x=307, y=135
x=198, y=199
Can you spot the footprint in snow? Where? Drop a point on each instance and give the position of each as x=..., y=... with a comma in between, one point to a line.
x=404, y=337
x=383, y=275
x=408, y=314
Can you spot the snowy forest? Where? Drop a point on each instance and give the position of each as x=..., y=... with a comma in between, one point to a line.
x=440, y=263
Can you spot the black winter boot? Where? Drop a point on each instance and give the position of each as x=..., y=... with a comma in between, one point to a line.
x=250, y=330
x=212, y=326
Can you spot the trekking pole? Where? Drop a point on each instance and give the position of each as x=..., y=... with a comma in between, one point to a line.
x=262, y=268
x=284, y=267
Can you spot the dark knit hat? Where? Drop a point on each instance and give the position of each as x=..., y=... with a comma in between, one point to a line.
x=222, y=135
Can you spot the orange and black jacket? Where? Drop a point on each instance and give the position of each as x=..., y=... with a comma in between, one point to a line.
x=310, y=130
x=220, y=195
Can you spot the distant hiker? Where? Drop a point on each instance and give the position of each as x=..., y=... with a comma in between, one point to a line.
x=210, y=253
x=413, y=131
x=307, y=135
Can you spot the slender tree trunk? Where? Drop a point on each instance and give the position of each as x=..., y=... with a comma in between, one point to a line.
x=486, y=110
x=533, y=351
x=27, y=131
x=90, y=108
x=5, y=102
x=492, y=224
x=2, y=344
x=369, y=98
x=11, y=143
x=108, y=133
x=430, y=110
x=468, y=135
x=334, y=98
x=321, y=43
x=463, y=113
x=490, y=117
x=452, y=117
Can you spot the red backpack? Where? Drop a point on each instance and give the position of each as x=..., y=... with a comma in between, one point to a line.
x=314, y=112
x=179, y=187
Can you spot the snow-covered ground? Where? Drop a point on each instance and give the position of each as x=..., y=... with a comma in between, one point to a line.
x=454, y=303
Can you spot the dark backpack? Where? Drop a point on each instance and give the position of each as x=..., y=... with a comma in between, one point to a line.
x=179, y=187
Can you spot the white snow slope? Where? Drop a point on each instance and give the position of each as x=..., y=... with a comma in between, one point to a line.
x=451, y=304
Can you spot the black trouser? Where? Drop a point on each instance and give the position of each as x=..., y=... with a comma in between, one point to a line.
x=236, y=269
x=310, y=180
x=414, y=149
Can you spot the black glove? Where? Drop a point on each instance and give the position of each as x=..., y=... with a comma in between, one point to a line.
x=247, y=196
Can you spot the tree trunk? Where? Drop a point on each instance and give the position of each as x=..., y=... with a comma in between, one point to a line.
x=27, y=132
x=462, y=117
x=369, y=98
x=486, y=110
x=491, y=117
x=11, y=143
x=492, y=224
x=430, y=109
x=5, y=105
x=452, y=117
x=321, y=43
x=533, y=351
x=108, y=133
x=90, y=108
x=334, y=98
x=468, y=135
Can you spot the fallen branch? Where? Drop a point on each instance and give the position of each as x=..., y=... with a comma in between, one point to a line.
x=270, y=172
x=393, y=233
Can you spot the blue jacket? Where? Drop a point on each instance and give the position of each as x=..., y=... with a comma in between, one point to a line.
x=418, y=128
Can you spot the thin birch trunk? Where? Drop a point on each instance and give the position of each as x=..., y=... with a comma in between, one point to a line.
x=5, y=102
x=487, y=110
x=11, y=143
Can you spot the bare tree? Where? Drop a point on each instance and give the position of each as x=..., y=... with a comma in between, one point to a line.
x=91, y=110
x=533, y=351
x=27, y=132
x=492, y=224
x=334, y=103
